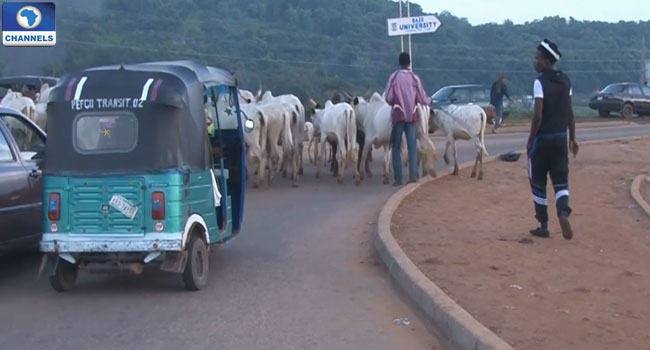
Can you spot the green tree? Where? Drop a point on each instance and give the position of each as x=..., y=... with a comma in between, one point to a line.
x=312, y=47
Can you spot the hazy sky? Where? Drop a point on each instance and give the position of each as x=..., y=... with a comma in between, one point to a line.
x=519, y=11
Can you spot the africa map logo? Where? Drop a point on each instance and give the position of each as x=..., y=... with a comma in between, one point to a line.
x=28, y=24
x=29, y=17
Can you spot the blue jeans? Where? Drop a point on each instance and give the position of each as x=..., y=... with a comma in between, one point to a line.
x=499, y=118
x=396, y=143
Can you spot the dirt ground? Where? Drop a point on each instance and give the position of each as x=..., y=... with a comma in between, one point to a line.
x=523, y=125
x=593, y=292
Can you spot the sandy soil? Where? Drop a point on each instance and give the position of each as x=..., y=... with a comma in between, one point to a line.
x=593, y=292
x=523, y=125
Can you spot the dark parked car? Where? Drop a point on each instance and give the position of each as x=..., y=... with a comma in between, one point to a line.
x=22, y=151
x=624, y=98
x=465, y=94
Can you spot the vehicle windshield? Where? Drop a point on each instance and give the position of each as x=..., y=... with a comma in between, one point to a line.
x=614, y=88
x=443, y=94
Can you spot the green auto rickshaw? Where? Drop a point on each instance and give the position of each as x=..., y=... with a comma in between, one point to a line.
x=145, y=165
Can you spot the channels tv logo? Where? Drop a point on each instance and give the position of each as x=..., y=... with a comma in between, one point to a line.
x=28, y=24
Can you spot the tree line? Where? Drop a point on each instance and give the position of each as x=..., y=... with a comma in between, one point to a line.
x=314, y=47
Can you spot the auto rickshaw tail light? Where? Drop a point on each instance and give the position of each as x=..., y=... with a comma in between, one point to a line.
x=54, y=207
x=158, y=206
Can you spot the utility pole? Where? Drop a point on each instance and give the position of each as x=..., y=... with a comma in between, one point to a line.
x=644, y=62
x=408, y=14
x=401, y=37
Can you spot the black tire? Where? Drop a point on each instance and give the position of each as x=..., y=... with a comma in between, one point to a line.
x=195, y=275
x=603, y=113
x=627, y=111
x=65, y=276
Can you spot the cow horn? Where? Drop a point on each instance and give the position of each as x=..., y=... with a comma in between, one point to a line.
x=259, y=91
x=313, y=103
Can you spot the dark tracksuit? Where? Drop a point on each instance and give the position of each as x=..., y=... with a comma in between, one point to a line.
x=550, y=151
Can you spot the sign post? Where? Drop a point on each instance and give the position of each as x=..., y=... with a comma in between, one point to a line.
x=408, y=14
x=412, y=25
x=401, y=38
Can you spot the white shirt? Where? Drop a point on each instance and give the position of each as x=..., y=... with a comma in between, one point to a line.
x=538, y=91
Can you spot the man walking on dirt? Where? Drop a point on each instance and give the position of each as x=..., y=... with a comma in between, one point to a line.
x=403, y=92
x=547, y=144
x=498, y=91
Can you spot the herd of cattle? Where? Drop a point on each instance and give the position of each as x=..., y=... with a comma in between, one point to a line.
x=33, y=106
x=343, y=131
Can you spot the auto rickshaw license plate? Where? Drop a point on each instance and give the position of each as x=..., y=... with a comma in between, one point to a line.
x=124, y=206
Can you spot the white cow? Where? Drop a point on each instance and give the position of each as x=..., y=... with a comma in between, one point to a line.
x=42, y=99
x=297, y=124
x=17, y=101
x=246, y=97
x=279, y=139
x=377, y=125
x=309, y=138
x=374, y=116
x=20, y=131
x=256, y=144
x=462, y=123
x=337, y=123
x=426, y=150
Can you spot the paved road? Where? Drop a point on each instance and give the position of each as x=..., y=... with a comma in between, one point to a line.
x=302, y=275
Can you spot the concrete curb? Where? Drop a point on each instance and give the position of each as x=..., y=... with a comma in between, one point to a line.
x=450, y=319
x=636, y=193
x=461, y=330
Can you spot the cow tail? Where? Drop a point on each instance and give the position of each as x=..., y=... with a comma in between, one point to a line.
x=263, y=130
x=351, y=132
x=482, y=135
x=287, y=139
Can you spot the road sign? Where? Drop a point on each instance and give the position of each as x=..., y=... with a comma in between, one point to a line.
x=413, y=25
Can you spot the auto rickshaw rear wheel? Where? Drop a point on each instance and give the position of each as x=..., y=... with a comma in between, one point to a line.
x=195, y=275
x=65, y=276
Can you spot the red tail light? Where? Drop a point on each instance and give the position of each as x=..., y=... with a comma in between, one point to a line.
x=54, y=207
x=158, y=206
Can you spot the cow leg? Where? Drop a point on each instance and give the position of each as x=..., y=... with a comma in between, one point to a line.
x=320, y=161
x=334, y=166
x=475, y=166
x=446, y=156
x=354, y=154
x=357, y=177
x=367, y=162
x=278, y=161
x=364, y=161
x=341, y=160
x=361, y=142
x=455, y=154
x=430, y=165
x=387, y=165
x=286, y=162
x=261, y=168
x=295, y=171
x=311, y=160
x=480, y=160
x=301, y=146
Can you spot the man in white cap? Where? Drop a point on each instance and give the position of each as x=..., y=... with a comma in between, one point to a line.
x=547, y=144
